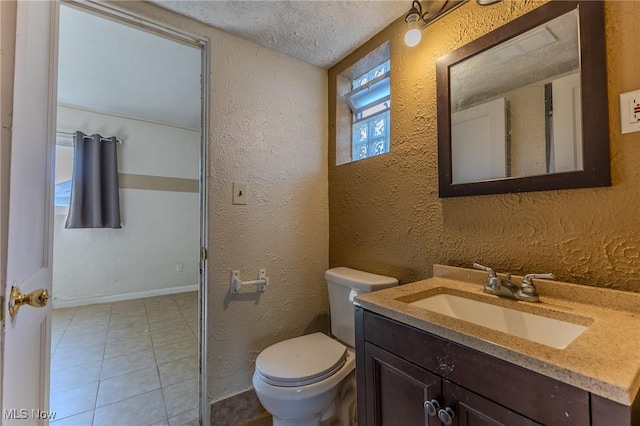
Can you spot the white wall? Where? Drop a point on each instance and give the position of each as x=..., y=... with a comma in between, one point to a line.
x=150, y=148
x=268, y=127
x=160, y=227
x=7, y=60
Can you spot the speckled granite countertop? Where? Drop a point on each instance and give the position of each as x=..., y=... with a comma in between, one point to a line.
x=604, y=359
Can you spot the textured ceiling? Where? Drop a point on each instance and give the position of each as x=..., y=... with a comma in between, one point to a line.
x=320, y=33
x=113, y=68
x=474, y=80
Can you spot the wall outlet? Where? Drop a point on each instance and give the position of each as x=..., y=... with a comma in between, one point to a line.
x=240, y=193
x=179, y=267
x=630, y=112
x=634, y=110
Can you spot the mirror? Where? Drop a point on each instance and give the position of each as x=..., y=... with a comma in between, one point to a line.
x=524, y=108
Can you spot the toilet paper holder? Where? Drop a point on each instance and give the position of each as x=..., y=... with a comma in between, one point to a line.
x=262, y=282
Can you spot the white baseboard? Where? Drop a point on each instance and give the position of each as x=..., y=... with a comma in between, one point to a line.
x=57, y=304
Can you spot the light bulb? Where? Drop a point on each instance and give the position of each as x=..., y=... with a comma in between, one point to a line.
x=412, y=37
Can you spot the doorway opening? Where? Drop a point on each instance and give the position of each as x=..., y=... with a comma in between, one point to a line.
x=126, y=345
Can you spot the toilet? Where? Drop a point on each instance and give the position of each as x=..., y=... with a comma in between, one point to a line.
x=309, y=380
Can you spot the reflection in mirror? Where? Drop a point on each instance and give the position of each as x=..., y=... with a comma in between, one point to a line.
x=512, y=114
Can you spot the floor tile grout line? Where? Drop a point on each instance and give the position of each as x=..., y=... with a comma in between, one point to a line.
x=77, y=314
x=128, y=372
x=65, y=329
x=126, y=399
x=144, y=393
x=131, y=396
x=66, y=417
x=155, y=357
x=95, y=403
x=195, y=334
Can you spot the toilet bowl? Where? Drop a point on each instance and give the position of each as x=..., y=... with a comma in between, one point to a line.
x=311, y=379
x=321, y=363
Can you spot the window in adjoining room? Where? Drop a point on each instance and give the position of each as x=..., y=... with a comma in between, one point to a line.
x=64, y=170
x=369, y=101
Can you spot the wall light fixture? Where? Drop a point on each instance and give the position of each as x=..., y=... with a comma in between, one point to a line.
x=423, y=13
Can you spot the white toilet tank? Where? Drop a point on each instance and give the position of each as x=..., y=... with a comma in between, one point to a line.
x=345, y=284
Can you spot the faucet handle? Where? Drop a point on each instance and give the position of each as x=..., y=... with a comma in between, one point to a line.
x=491, y=272
x=527, y=290
x=493, y=282
x=527, y=278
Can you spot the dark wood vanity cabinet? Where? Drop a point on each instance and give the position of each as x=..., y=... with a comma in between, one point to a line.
x=400, y=368
x=398, y=390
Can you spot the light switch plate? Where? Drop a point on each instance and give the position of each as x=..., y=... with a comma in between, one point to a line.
x=240, y=193
x=630, y=112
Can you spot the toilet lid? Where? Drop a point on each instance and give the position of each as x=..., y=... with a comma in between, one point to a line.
x=301, y=361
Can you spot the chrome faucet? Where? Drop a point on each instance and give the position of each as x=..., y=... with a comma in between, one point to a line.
x=505, y=288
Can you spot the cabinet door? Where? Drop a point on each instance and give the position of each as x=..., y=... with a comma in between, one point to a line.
x=396, y=390
x=471, y=409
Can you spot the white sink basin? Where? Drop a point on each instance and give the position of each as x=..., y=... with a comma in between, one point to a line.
x=547, y=331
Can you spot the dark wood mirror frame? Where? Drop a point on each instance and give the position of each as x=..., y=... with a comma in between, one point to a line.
x=595, y=121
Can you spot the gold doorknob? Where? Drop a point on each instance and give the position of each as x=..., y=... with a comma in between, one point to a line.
x=37, y=298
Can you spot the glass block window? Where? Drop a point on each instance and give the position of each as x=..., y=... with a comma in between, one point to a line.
x=371, y=75
x=370, y=136
x=369, y=101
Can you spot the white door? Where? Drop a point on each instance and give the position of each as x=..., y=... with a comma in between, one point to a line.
x=567, y=124
x=478, y=142
x=25, y=383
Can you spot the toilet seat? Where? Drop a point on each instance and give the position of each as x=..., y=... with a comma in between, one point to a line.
x=301, y=361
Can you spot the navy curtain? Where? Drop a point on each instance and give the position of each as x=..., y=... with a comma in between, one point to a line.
x=95, y=198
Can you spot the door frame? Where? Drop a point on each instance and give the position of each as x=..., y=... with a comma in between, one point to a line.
x=8, y=12
x=201, y=42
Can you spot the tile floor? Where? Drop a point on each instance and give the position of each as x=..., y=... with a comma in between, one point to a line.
x=126, y=363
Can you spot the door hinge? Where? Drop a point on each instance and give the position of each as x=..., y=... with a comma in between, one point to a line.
x=203, y=253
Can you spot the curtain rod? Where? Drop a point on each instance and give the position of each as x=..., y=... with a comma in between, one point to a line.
x=119, y=141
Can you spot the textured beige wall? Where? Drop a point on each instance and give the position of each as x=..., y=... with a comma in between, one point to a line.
x=270, y=130
x=385, y=214
x=267, y=127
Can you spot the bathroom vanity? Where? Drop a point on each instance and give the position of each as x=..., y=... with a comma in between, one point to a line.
x=418, y=364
